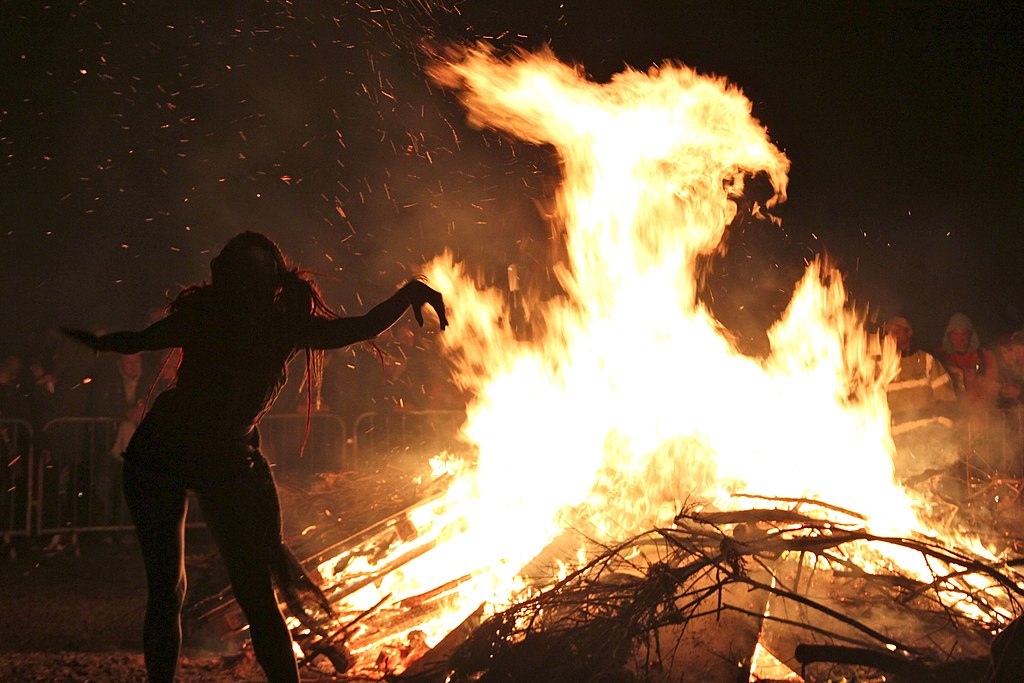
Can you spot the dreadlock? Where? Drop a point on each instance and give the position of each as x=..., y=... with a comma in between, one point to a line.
x=299, y=300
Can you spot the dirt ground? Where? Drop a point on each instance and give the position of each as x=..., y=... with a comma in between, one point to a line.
x=71, y=608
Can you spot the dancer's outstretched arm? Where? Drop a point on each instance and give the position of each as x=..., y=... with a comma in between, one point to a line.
x=163, y=334
x=322, y=333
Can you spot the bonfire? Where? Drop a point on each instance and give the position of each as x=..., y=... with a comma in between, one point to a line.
x=637, y=499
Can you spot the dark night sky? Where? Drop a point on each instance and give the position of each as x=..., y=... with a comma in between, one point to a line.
x=137, y=138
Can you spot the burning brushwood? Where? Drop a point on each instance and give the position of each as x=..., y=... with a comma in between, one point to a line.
x=614, y=613
x=791, y=579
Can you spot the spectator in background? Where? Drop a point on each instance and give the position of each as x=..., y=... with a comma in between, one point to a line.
x=117, y=387
x=122, y=395
x=39, y=390
x=922, y=403
x=75, y=368
x=12, y=403
x=976, y=381
x=118, y=392
x=1010, y=358
x=973, y=369
x=1010, y=361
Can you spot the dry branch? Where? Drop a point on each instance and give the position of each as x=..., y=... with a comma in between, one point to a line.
x=600, y=623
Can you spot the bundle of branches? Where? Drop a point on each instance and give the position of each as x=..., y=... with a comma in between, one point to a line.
x=601, y=622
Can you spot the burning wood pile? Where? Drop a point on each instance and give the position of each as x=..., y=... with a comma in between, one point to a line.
x=795, y=591
x=721, y=591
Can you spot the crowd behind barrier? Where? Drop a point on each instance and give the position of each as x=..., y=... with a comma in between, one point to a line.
x=286, y=443
x=67, y=413
x=67, y=478
x=79, y=478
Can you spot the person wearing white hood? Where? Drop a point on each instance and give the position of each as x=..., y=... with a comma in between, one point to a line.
x=975, y=377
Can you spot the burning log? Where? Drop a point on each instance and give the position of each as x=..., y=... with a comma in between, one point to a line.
x=384, y=635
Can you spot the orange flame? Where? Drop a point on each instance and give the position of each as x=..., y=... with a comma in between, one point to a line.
x=634, y=378
x=634, y=399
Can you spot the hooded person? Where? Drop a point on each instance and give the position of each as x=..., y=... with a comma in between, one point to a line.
x=975, y=376
x=237, y=335
x=972, y=367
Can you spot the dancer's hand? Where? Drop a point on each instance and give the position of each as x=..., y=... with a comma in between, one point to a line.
x=419, y=293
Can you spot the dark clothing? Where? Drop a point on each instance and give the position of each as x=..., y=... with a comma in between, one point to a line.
x=194, y=458
x=201, y=434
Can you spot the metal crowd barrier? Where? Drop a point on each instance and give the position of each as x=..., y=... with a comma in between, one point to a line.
x=78, y=477
x=996, y=445
x=281, y=438
x=993, y=459
x=424, y=431
x=65, y=478
x=16, y=477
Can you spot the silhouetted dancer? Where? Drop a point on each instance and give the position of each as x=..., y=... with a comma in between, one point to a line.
x=237, y=335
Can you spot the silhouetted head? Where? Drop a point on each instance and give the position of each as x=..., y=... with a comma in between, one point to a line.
x=250, y=266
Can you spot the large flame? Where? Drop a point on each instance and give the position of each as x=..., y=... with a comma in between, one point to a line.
x=634, y=390
x=632, y=397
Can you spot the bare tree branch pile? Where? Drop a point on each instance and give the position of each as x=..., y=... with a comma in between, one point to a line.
x=607, y=621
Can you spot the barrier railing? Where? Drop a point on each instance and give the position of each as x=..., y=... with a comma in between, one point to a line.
x=16, y=477
x=65, y=478
x=79, y=478
x=425, y=431
x=281, y=439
